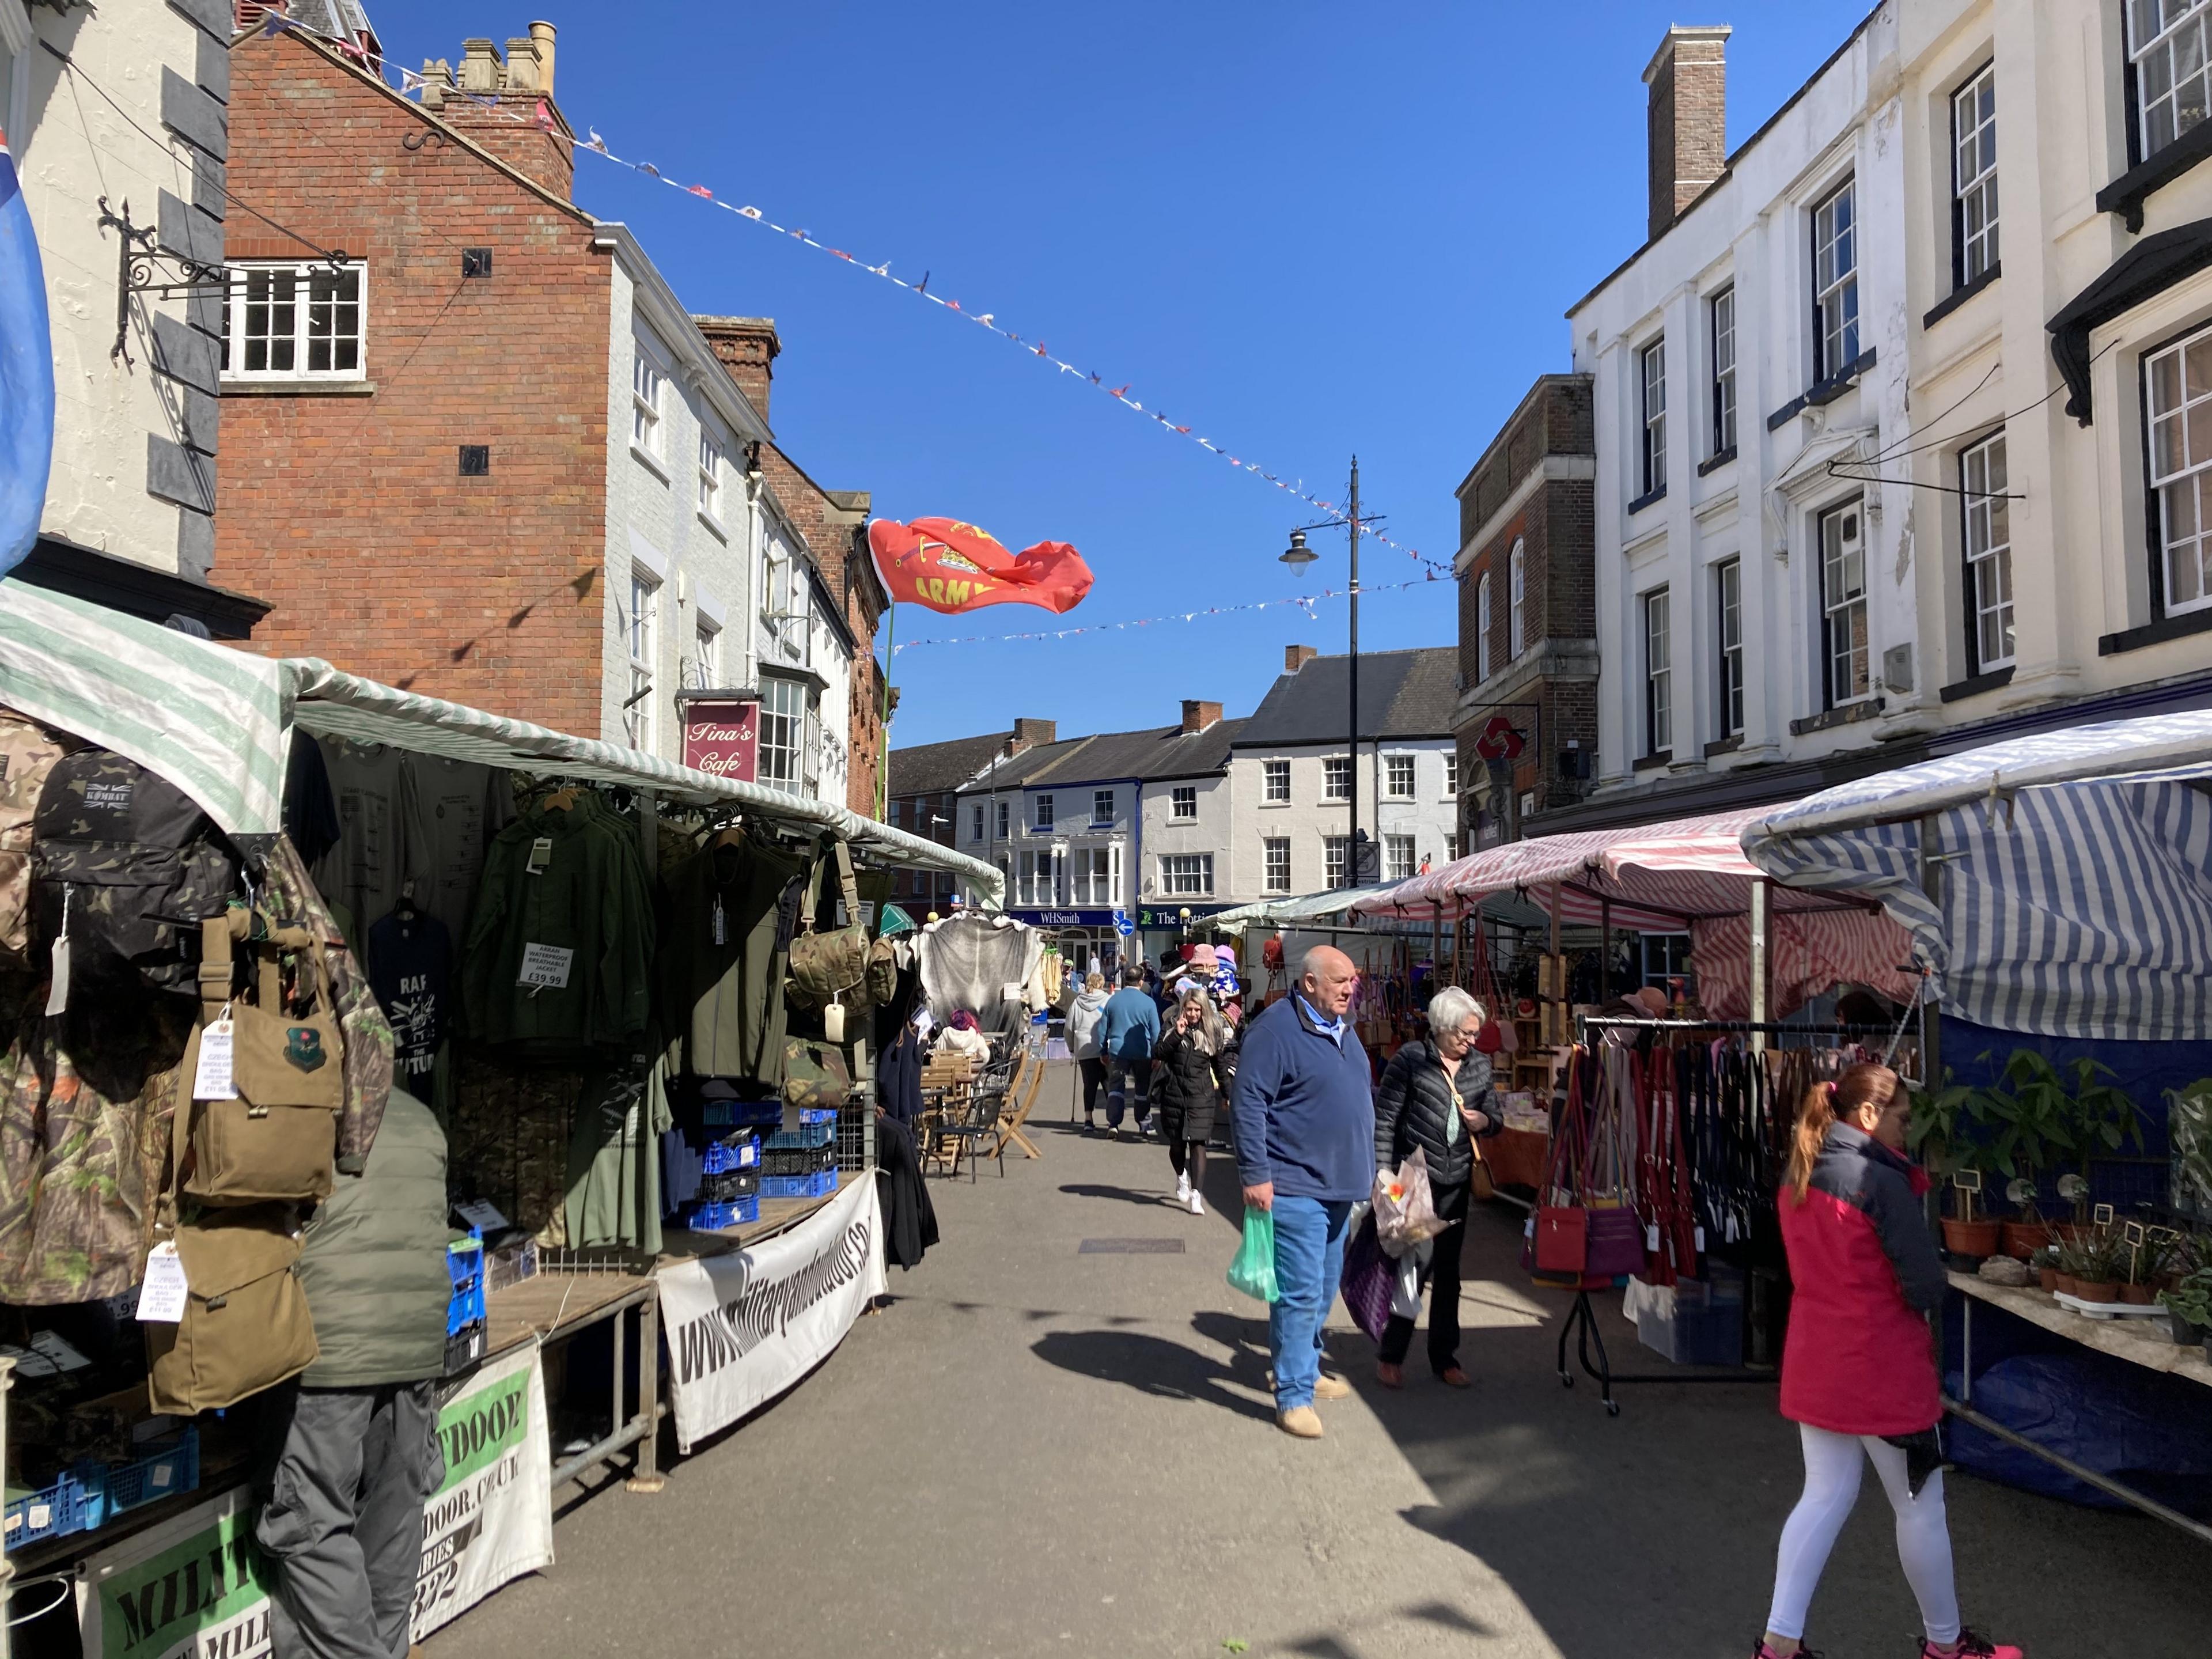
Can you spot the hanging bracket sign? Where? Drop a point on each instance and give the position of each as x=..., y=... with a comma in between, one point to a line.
x=722, y=735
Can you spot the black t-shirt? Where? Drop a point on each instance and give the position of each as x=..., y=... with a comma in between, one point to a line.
x=411, y=969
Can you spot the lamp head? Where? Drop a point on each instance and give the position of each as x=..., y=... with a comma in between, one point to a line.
x=1297, y=555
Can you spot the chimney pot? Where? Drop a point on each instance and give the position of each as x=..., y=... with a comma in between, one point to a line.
x=1296, y=656
x=541, y=34
x=521, y=65
x=1687, y=114
x=1197, y=715
x=480, y=66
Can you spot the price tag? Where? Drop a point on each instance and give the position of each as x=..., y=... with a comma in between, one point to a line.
x=1529, y=1228
x=479, y=1214
x=721, y=925
x=545, y=967
x=211, y=1077
x=541, y=854
x=57, y=990
x=1698, y=1237
x=162, y=1298
x=1651, y=1237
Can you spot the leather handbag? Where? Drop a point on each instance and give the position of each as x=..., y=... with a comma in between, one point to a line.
x=832, y=967
x=814, y=1074
x=277, y=1139
x=1559, y=1235
x=246, y=1326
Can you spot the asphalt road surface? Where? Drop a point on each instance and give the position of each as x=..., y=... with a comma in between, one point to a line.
x=1038, y=1450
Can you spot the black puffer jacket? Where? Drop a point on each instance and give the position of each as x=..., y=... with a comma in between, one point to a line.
x=1413, y=1106
x=1186, y=1086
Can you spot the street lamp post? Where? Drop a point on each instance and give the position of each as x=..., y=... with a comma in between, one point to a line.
x=1298, y=556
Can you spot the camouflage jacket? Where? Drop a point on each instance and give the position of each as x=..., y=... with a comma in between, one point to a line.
x=289, y=893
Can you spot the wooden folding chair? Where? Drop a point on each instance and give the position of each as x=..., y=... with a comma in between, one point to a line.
x=1020, y=1101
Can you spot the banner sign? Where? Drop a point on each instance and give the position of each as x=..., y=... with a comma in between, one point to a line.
x=722, y=736
x=196, y=1587
x=743, y=1328
x=491, y=1519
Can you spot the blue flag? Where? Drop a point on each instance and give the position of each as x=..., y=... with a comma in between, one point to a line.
x=27, y=375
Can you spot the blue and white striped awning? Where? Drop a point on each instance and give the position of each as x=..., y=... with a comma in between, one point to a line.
x=2075, y=874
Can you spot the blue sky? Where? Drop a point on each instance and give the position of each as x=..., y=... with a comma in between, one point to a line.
x=1303, y=229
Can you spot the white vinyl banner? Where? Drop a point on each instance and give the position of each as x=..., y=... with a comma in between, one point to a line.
x=744, y=1327
x=491, y=1519
x=194, y=1587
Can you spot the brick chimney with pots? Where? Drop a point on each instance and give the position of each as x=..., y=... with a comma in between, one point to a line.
x=1197, y=716
x=747, y=347
x=1032, y=733
x=509, y=108
x=1688, y=117
x=1296, y=656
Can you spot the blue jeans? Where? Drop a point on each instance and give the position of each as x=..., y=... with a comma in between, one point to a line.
x=1127, y=1082
x=1308, y=1263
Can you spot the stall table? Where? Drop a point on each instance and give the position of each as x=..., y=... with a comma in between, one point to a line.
x=2123, y=1339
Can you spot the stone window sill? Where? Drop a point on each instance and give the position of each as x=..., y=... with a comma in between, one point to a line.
x=1974, y=684
x=1849, y=714
x=649, y=461
x=1646, y=499
x=1724, y=745
x=1721, y=459
x=301, y=386
x=1652, y=762
x=1825, y=392
x=1959, y=297
x=2157, y=633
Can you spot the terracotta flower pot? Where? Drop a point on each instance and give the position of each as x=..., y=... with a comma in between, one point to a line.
x=2024, y=1238
x=1974, y=1238
x=2106, y=1293
x=2139, y=1295
x=2066, y=1283
x=2048, y=1278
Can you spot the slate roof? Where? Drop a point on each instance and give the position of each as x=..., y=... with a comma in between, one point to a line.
x=1402, y=694
x=1163, y=751
x=932, y=768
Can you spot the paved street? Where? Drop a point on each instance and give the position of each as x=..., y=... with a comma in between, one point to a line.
x=1036, y=1451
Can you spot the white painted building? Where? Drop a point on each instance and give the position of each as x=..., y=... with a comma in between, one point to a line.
x=1292, y=773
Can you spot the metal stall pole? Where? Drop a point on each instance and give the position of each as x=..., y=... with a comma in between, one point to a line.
x=1762, y=958
x=1604, y=951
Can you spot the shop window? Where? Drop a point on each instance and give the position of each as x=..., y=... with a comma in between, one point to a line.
x=1275, y=859
x=285, y=322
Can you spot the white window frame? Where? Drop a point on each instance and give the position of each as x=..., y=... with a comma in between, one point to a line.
x=1005, y=819
x=1720, y=315
x=1393, y=766
x=1186, y=875
x=1274, y=783
x=1728, y=627
x=785, y=707
x=1042, y=812
x=300, y=338
x=1397, y=858
x=1846, y=670
x=707, y=643
x=1658, y=612
x=1451, y=775
x=1651, y=415
x=642, y=634
x=1516, y=603
x=1835, y=282
x=978, y=821
x=1974, y=178
x=711, y=462
x=1180, y=797
x=1983, y=484
x=2162, y=34
x=648, y=401
x=1275, y=863
x=1335, y=862
x=1102, y=806
x=1482, y=628
x=2178, y=393
x=1336, y=777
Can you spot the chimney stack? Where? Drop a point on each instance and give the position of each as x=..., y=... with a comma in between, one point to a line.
x=1688, y=117
x=1197, y=716
x=510, y=110
x=1032, y=733
x=748, y=348
x=1296, y=656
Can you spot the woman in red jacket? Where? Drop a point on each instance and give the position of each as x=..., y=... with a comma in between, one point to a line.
x=1858, y=1367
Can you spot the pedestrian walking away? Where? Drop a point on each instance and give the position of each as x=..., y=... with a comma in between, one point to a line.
x=1186, y=1069
x=1436, y=1095
x=1082, y=1018
x=1858, y=1365
x=1305, y=1152
x=1128, y=1031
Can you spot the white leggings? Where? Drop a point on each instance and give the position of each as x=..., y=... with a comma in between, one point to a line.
x=1831, y=1486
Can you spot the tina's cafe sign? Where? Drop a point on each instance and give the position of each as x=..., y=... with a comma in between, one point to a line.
x=722, y=733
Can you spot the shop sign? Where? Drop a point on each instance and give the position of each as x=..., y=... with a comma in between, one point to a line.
x=722, y=736
x=491, y=1519
x=1064, y=918
x=1170, y=916
x=193, y=1587
x=741, y=1329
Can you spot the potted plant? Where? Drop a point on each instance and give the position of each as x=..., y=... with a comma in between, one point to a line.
x=2074, y=1189
x=2188, y=1310
x=2098, y=1266
x=1967, y=1234
x=2043, y=1264
x=2026, y=1234
x=2145, y=1262
x=2189, y=1126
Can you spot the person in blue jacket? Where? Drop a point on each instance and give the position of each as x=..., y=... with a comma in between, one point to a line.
x=1305, y=1152
x=1128, y=1031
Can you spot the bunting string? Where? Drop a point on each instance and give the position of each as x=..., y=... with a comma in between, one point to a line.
x=1304, y=601
x=412, y=84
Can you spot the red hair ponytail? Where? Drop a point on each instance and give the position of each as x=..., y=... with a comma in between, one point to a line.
x=1864, y=1085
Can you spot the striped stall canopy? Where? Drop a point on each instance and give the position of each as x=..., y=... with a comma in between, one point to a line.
x=208, y=719
x=2075, y=874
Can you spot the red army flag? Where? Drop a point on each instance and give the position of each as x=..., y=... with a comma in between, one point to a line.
x=950, y=565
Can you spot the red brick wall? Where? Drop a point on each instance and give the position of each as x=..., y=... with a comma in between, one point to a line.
x=347, y=512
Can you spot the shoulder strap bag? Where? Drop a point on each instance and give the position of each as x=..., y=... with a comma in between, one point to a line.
x=831, y=967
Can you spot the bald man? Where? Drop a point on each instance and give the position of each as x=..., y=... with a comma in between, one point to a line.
x=1305, y=1149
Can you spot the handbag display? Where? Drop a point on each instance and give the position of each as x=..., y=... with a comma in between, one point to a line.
x=831, y=967
x=245, y=1325
x=276, y=1140
x=814, y=1074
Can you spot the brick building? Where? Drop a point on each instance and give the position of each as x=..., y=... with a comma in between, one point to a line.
x=490, y=456
x=924, y=780
x=1528, y=652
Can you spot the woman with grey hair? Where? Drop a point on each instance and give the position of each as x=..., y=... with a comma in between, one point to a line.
x=1189, y=1067
x=1437, y=1096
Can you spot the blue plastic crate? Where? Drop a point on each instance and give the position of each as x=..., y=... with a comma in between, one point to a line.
x=467, y=1307
x=53, y=1512
x=723, y=1156
x=821, y=1184
x=164, y=1467
x=464, y=1259
x=742, y=1113
x=710, y=1217
x=805, y=1136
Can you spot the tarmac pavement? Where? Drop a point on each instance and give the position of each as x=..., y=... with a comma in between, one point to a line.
x=1035, y=1450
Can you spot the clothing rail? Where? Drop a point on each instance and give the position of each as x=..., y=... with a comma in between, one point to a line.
x=1774, y=1025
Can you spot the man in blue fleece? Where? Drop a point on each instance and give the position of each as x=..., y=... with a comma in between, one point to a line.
x=1305, y=1149
x=1128, y=1031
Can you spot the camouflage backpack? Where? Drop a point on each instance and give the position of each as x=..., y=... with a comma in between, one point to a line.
x=28, y=753
x=127, y=866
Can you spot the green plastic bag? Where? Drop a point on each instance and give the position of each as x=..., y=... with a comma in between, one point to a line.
x=1253, y=1272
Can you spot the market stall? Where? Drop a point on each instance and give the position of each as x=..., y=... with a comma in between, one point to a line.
x=2057, y=889
x=568, y=958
